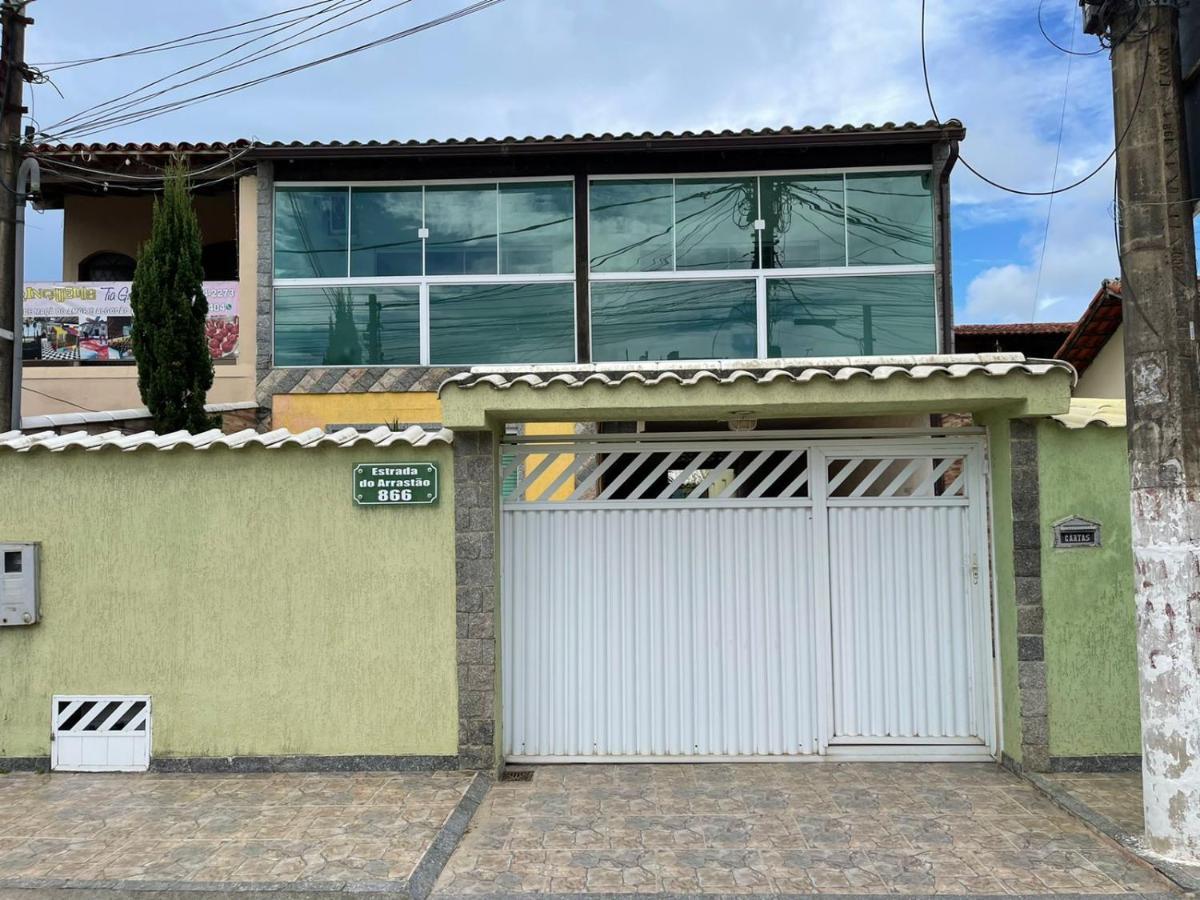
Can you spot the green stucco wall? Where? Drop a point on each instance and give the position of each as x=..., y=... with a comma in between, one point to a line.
x=242, y=589
x=1000, y=457
x=1091, y=662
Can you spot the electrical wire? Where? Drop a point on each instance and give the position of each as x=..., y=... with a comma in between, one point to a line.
x=115, y=104
x=1062, y=119
x=154, y=112
x=52, y=161
x=181, y=42
x=106, y=185
x=1057, y=46
x=1025, y=193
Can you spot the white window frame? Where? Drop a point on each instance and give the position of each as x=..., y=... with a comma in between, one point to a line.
x=424, y=281
x=760, y=274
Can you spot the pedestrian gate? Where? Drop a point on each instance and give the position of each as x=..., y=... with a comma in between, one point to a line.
x=679, y=597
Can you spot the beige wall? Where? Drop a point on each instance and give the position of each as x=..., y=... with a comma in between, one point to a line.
x=121, y=224
x=1105, y=377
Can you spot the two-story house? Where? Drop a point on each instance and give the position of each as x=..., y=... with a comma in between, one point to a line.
x=695, y=383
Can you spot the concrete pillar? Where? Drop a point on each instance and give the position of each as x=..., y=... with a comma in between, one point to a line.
x=1158, y=286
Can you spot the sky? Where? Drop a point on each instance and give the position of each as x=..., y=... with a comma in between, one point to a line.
x=557, y=66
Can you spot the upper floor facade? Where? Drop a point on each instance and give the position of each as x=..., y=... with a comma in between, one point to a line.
x=385, y=267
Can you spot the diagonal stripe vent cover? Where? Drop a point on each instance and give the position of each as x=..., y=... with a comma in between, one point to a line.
x=100, y=734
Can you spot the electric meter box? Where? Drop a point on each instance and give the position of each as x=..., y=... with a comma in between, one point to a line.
x=19, y=584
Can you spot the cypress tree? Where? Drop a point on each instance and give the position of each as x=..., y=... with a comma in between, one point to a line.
x=344, y=347
x=175, y=369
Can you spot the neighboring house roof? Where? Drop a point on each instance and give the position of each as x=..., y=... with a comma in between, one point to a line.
x=414, y=436
x=1098, y=323
x=888, y=132
x=1037, y=339
x=1087, y=411
x=837, y=369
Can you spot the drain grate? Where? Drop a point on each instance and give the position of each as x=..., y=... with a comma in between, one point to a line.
x=512, y=773
x=100, y=734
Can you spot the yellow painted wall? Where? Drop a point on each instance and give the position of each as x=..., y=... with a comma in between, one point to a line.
x=264, y=612
x=1105, y=377
x=299, y=412
x=120, y=224
x=547, y=478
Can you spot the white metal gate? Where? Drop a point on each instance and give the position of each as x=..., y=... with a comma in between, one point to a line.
x=679, y=597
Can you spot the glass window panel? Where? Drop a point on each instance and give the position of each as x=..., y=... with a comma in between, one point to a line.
x=462, y=230
x=310, y=232
x=714, y=223
x=805, y=224
x=867, y=315
x=537, y=231
x=383, y=231
x=630, y=226
x=890, y=219
x=655, y=320
x=344, y=326
x=476, y=324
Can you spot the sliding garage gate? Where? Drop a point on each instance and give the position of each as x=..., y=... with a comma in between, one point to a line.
x=745, y=597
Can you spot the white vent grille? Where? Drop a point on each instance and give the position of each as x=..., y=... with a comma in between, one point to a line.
x=100, y=734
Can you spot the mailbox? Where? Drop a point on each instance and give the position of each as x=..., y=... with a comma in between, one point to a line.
x=19, y=584
x=1076, y=532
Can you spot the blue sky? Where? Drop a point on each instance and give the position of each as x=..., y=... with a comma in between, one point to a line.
x=554, y=66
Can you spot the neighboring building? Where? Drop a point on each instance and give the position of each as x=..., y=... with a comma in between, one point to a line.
x=1037, y=340
x=76, y=350
x=1096, y=346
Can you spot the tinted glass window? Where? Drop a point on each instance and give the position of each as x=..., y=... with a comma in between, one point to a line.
x=673, y=320
x=536, y=229
x=889, y=219
x=383, y=231
x=631, y=223
x=311, y=232
x=854, y=316
x=805, y=224
x=462, y=230
x=501, y=323
x=347, y=326
x=714, y=223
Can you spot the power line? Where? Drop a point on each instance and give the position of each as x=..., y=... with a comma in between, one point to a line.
x=163, y=109
x=1062, y=119
x=114, y=105
x=1057, y=46
x=184, y=41
x=1011, y=190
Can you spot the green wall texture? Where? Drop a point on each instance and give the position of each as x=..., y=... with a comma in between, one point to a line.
x=1091, y=659
x=243, y=590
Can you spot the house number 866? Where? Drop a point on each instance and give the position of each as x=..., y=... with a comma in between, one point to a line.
x=403, y=495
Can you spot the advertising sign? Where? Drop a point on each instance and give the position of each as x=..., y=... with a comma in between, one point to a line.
x=396, y=484
x=90, y=321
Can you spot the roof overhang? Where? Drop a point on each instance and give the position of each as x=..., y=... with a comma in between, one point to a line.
x=1009, y=383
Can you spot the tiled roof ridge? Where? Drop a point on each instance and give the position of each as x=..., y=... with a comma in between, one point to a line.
x=413, y=436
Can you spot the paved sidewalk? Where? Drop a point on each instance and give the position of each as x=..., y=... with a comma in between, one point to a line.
x=787, y=828
x=272, y=831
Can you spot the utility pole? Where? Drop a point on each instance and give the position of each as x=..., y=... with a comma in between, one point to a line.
x=1162, y=384
x=12, y=71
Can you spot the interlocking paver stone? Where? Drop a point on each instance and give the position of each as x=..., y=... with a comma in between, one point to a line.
x=270, y=829
x=771, y=829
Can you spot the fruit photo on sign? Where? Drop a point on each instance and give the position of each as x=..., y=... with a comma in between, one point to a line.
x=221, y=332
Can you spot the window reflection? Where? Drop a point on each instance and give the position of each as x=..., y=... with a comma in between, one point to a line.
x=854, y=316
x=631, y=226
x=889, y=219
x=384, y=231
x=310, y=232
x=462, y=230
x=344, y=326
x=714, y=224
x=804, y=219
x=673, y=320
x=501, y=323
x=537, y=231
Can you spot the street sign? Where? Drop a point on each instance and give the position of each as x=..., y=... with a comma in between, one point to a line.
x=396, y=484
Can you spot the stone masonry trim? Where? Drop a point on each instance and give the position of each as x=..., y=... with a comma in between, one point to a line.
x=475, y=597
x=1027, y=567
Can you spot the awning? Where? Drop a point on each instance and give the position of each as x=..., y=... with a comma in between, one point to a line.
x=773, y=388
